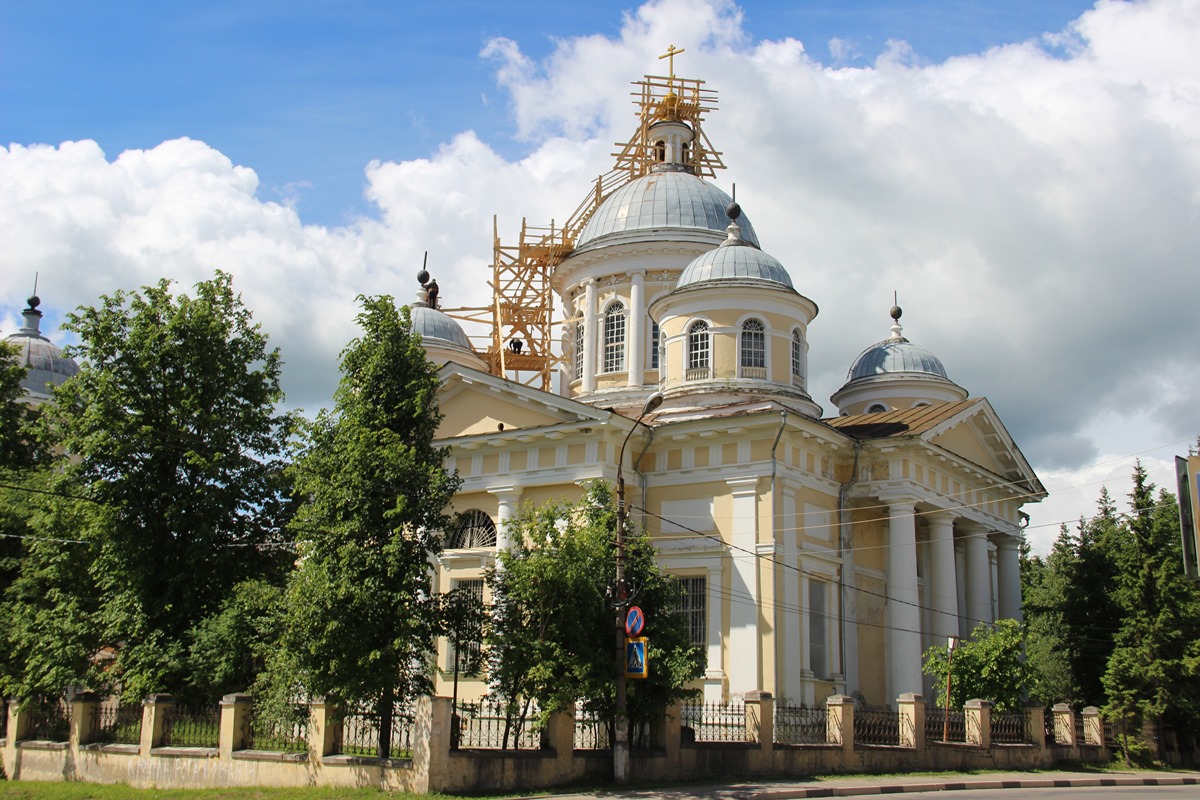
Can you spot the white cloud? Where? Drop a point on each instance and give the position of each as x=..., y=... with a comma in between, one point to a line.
x=1036, y=206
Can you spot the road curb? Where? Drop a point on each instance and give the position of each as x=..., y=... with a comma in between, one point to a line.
x=958, y=786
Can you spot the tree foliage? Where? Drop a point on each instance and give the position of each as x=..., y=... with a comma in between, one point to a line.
x=361, y=619
x=170, y=477
x=988, y=666
x=552, y=636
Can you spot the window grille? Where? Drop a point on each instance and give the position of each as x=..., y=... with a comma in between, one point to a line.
x=818, y=660
x=469, y=642
x=698, y=351
x=797, y=359
x=614, y=338
x=754, y=349
x=693, y=602
x=578, y=350
x=474, y=529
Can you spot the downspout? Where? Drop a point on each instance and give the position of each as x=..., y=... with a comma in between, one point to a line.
x=642, y=476
x=774, y=507
x=843, y=523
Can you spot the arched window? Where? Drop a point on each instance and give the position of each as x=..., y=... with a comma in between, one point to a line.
x=578, y=351
x=877, y=408
x=754, y=350
x=614, y=338
x=654, y=337
x=660, y=151
x=698, y=351
x=474, y=528
x=797, y=359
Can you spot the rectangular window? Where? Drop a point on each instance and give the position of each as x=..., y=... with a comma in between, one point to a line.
x=693, y=604
x=818, y=639
x=578, y=351
x=654, y=336
x=470, y=640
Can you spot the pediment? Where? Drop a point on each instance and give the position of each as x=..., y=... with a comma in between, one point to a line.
x=977, y=435
x=475, y=403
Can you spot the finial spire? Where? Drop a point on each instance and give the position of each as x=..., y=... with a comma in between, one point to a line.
x=894, y=313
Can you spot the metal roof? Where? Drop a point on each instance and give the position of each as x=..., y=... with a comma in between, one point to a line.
x=438, y=329
x=904, y=422
x=734, y=262
x=893, y=356
x=663, y=200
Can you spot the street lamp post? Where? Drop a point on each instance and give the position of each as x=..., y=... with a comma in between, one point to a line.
x=951, y=643
x=621, y=734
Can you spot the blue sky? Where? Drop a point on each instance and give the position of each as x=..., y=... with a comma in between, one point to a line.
x=1023, y=173
x=307, y=93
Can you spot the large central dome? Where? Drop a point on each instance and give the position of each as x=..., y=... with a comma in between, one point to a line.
x=662, y=199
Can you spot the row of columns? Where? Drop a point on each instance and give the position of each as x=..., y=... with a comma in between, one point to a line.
x=636, y=321
x=956, y=603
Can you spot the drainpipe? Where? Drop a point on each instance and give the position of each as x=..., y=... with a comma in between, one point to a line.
x=774, y=461
x=641, y=475
x=843, y=523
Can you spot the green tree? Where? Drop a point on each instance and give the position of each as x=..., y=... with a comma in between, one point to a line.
x=361, y=618
x=988, y=666
x=1047, y=588
x=1152, y=671
x=551, y=637
x=170, y=431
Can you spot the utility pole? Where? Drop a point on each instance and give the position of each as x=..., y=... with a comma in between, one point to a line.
x=621, y=722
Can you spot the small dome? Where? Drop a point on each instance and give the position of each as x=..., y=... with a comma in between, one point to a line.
x=662, y=199
x=734, y=263
x=438, y=329
x=893, y=356
x=48, y=367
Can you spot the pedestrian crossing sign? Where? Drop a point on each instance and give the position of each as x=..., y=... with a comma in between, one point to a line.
x=635, y=658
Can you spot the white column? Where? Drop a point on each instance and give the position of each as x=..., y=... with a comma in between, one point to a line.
x=942, y=588
x=903, y=611
x=507, y=499
x=979, y=575
x=744, y=657
x=714, y=675
x=637, y=324
x=1008, y=566
x=589, y=337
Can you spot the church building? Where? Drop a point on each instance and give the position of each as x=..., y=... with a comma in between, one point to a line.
x=819, y=552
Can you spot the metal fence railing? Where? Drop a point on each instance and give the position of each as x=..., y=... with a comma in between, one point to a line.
x=716, y=722
x=936, y=729
x=50, y=720
x=185, y=726
x=360, y=731
x=1011, y=727
x=876, y=725
x=801, y=724
x=495, y=724
x=591, y=730
x=117, y=723
x=262, y=730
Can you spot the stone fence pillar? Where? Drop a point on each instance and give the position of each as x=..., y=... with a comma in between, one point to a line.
x=912, y=720
x=979, y=723
x=431, y=744
x=84, y=708
x=1035, y=718
x=154, y=709
x=1064, y=724
x=760, y=719
x=323, y=729
x=1093, y=728
x=559, y=736
x=839, y=728
x=234, y=708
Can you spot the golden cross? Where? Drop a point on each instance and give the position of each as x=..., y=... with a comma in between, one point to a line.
x=670, y=54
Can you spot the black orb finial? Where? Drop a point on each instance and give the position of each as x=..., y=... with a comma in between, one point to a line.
x=34, y=301
x=423, y=277
x=733, y=211
x=895, y=313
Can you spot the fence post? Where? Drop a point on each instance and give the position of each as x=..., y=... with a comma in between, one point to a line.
x=234, y=708
x=559, y=736
x=979, y=723
x=1064, y=724
x=154, y=709
x=839, y=729
x=1035, y=721
x=760, y=718
x=322, y=730
x=431, y=744
x=912, y=720
x=84, y=708
x=1093, y=730
x=18, y=726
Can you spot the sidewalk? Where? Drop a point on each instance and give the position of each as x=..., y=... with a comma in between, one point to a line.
x=894, y=784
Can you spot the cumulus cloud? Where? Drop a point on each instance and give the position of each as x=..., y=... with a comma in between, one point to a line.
x=1035, y=206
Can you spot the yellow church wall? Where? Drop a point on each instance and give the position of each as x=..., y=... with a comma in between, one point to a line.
x=962, y=442
x=518, y=460
x=466, y=415
x=576, y=454
x=870, y=631
x=491, y=464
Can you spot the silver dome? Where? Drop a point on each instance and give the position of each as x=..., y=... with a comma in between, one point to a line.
x=438, y=329
x=734, y=262
x=47, y=365
x=894, y=356
x=662, y=199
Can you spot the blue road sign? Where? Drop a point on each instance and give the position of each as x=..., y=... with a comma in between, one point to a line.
x=635, y=621
x=635, y=658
